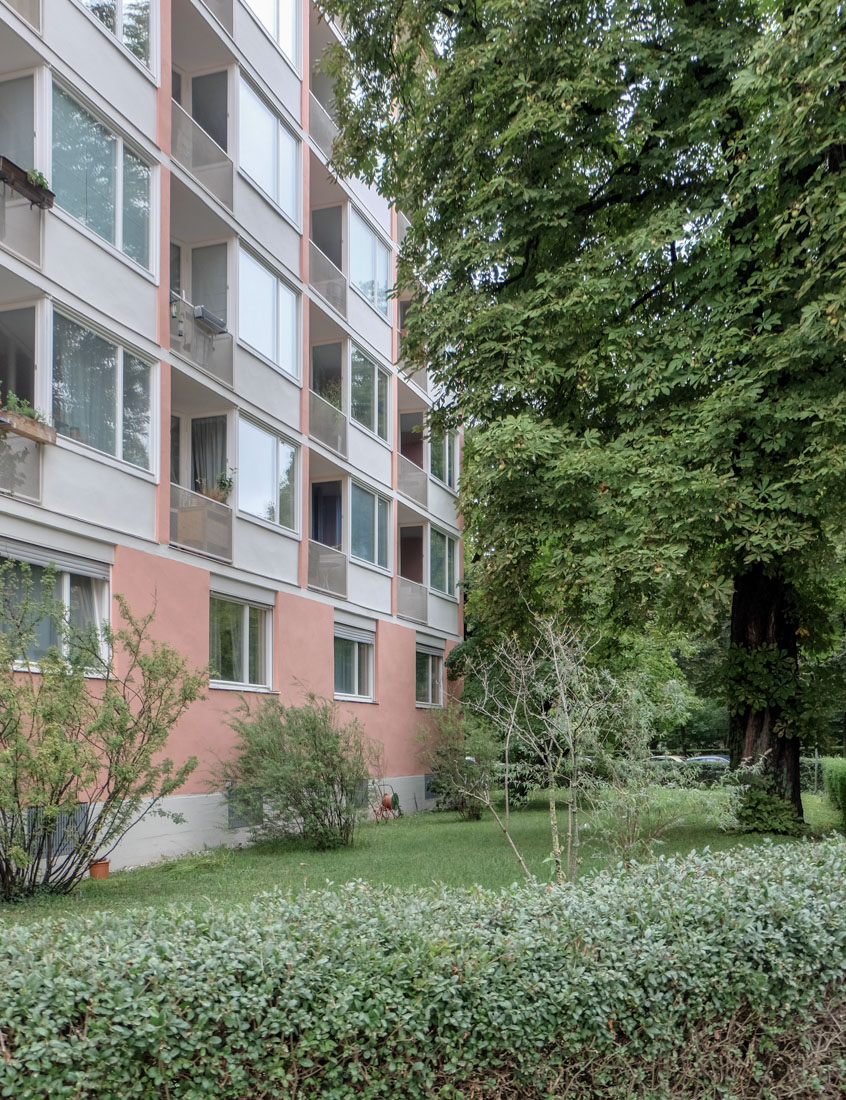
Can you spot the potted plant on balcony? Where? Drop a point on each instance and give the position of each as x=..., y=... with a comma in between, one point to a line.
x=20, y=417
x=30, y=185
x=221, y=488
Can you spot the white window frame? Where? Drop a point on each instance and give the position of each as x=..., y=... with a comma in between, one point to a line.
x=280, y=284
x=365, y=649
x=446, y=445
x=376, y=242
x=278, y=439
x=377, y=497
x=451, y=579
x=377, y=370
x=294, y=216
x=436, y=679
x=115, y=246
x=116, y=35
x=266, y=628
x=273, y=32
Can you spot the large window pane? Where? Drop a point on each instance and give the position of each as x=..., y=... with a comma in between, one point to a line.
x=256, y=471
x=226, y=640
x=17, y=121
x=288, y=28
x=382, y=277
x=437, y=561
x=361, y=256
x=362, y=373
x=288, y=330
x=136, y=28
x=288, y=174
x=257, y=662
x=382, y=527
x=382, y=404
x=257, y=306
x=287, y=485
x=265, y=11
x=136, y=208
x=84, y=165
x=136, y=411
x=345, y=678
x=84, y=385
x=362, y=527
x=257, y=142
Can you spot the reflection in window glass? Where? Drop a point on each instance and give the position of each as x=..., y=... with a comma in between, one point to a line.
x=84, y=165
x=287, y=485
x=136, y=208
x=428, y=679
x=136, y=412
x=442, y=562
x=353, y=668
x=238, y=642
x=129, y=18
x=369, y=523
x=258, y=140
x=257, y=306
x=79, y=603
x=368, y=394
x=256, y=471
x=369, y=263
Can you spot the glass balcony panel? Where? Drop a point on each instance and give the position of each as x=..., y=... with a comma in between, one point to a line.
x=321, y=126
x=199, y=523
x=412, y=481
x=327, y=424
x=201, y=156
x=198, y=343
x=327, y=569
x=20, y=466
x=20, y=225
x=327, y=280
x=412, y=600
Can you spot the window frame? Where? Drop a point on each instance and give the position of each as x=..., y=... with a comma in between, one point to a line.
x=123, y=144
x=279, y=440
x=377, y=372
x=361, y=647
x=266, y=641
x=149, y=66
x=281, y=284
x=293, y=216
x=445, y=444
x=273, y=33
x=121, y=349
x=450, y=551
x=431, y=679
x=377, y=499
x=376, y=242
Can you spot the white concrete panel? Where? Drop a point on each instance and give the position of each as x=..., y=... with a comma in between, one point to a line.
x=268, y=61
x=97, y=56
x=367, y=588
x=369, y=455
x=86, y=488
x=443, y=614
x=264, y=222
x=266, y=388
x=442, y=504
x=259, y=549
x=100, y=278
x=369, y=324
x=372, y=202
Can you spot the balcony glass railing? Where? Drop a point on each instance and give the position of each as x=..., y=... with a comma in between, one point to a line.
x=329, y=282
x=321, y=126
x=327, y=569
x=199, y=523
x=412, y=481
x=412, y=600
x=30, y=10
x=20, y=466
x=200, y=343
x=327, y=424
x=201, y=155
x=20, y=225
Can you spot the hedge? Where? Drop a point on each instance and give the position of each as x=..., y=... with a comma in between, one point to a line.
x=834, y=780
x=632, y=983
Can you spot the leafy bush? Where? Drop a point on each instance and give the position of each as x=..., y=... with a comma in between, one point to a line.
x=834, y=779
x=462, y=757
x=299, y=769
x=760, y=811
x=625, y=986
x=80, y=758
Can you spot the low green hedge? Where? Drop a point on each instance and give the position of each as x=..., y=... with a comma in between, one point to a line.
x=373, y=993
x=834, y=779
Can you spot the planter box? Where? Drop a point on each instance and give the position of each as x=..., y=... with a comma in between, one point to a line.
x=27, y=427
x=15, y=178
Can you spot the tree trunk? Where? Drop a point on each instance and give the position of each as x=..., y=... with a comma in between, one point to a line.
x=761, y=617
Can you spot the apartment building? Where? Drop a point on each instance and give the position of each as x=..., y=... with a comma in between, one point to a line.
x=203, y=314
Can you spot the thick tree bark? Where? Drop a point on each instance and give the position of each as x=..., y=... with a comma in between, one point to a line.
x=761, y=616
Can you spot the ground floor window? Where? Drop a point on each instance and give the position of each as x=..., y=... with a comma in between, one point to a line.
x=354, y=664
x=429, y=679
x=239, y=642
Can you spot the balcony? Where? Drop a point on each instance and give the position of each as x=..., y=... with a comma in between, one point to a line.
x=412, y=601
x=327, y=424
x=321, y=126
x=20, y=466
x=201, y=155
x=412, y=481
x=328, y=280
x=200, y=524
x=20, y=225
x=195, y=335
x=327, y=569
x=30, y=10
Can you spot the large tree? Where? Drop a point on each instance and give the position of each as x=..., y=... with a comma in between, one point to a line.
x=627, y=252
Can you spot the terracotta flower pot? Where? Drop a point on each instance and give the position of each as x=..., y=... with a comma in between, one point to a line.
x=99, y=868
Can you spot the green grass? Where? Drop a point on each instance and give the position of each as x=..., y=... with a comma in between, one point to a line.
x=413, y=851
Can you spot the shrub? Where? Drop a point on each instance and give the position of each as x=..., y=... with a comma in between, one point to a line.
x=760, y=811
x=834, y=780
x=462, y=757
x=625, y=986
x=299, y=769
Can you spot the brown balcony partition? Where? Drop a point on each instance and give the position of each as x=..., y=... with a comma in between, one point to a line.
x=412, y=481
x=412, y=600
x=199, y=523
x=327, y=424
x=329, y=282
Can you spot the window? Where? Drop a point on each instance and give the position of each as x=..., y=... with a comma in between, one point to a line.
x=442, y=458
x=370, y=522
x=268, y=151
x=441, y=562
x=17, y=354
x=17, y=120
x=368, y=394
x=101, y=393
x=279, y=19
x=267, y=313
x=239, y=642
x=267, y=485
x=354, y=662
x=99, y=180
x=369, y=263
x=128, y=20
x=429, y=679
x=83, y=597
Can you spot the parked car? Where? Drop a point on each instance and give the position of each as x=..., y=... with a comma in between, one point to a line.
x=711, y=767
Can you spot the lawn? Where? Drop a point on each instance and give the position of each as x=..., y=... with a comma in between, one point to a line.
x=413, y=851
